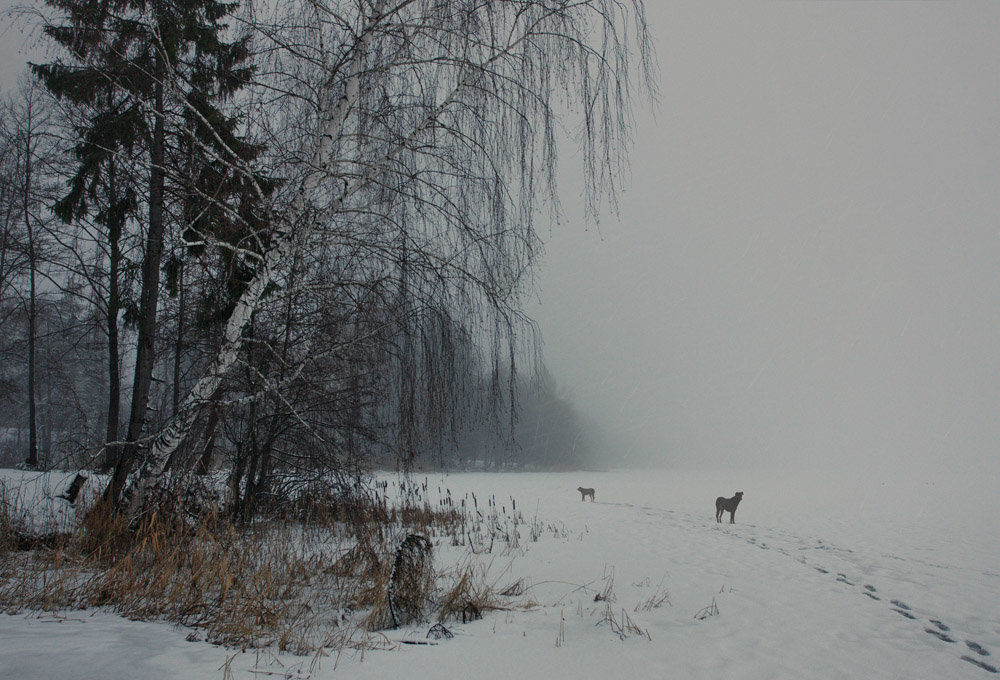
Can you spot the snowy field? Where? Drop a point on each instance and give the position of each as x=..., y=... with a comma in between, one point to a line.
x=826, y=574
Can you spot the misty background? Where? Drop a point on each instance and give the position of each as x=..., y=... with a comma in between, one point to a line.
x=804, y=265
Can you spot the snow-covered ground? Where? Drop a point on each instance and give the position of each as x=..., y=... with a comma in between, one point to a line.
x=826, y=574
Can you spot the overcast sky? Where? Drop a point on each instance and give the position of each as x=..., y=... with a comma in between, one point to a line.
x=806, y=265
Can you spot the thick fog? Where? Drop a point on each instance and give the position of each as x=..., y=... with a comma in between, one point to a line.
x=806, y=266
x=806, y=262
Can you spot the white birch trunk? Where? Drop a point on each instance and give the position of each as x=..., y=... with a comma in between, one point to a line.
x=153, y=466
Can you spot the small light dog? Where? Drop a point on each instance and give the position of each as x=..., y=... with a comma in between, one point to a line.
x=585, y=492
x=727, y=505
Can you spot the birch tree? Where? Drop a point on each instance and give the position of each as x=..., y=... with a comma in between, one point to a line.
x=417, y=143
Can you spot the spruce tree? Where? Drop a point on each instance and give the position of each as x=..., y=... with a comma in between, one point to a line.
x=152, y=77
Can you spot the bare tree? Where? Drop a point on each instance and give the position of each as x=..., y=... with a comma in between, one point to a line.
x=417, y=143
x=13, y=249
x=349, y=282
x=25, y=117
x=44, y=277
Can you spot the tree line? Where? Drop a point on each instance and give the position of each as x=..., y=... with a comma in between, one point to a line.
x=285, y=240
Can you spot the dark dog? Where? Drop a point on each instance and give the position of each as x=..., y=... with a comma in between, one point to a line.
x=585, y=492
x=727, y=505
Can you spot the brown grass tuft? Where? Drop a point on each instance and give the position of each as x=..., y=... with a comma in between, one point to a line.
x=319, y=577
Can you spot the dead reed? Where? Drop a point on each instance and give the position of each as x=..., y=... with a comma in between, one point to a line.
x=325, y=575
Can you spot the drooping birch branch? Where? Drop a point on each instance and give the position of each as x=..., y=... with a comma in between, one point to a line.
x=292, y=235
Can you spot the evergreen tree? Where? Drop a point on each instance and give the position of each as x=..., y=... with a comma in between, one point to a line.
x=151, y=75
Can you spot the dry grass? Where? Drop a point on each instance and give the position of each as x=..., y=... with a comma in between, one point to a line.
x=658, y=598
x=467, y=595
x=607, y=593
x=706, y=612
x=319, y=578
x=621, y=623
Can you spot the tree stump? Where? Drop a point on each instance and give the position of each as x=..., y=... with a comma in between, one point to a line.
x=73, y=491
x=410, y=581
